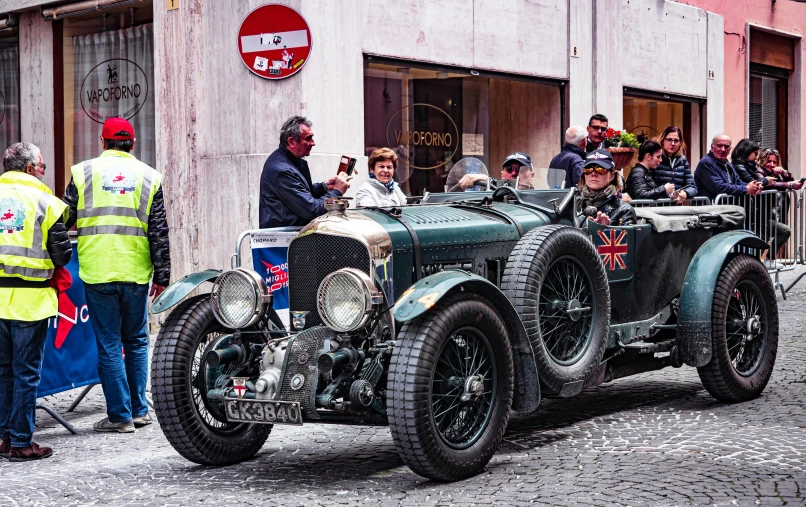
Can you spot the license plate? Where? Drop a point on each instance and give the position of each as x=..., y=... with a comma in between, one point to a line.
x=264, y=411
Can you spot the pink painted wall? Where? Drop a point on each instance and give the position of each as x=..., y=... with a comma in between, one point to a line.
x=784, y=16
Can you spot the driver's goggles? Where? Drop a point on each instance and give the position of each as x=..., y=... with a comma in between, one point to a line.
x=598, y=170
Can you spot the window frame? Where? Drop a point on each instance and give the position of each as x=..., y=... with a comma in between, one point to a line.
x=688, y=101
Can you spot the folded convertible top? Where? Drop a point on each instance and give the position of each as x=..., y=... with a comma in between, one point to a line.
x=681, y=218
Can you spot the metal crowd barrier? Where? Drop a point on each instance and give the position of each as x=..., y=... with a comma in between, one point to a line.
x=646, y=203
x=770, y=215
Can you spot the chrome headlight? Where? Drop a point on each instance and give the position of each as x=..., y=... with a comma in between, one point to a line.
x=346, y=299
x=240, y=298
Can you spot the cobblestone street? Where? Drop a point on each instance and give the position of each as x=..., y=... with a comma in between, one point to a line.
x=651, y=439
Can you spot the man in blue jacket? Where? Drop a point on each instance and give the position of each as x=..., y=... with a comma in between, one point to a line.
x=714, y=174
x=572, y=158
x=287, y=195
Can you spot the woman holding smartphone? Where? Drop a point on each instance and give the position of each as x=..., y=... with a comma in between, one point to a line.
x=380, y=189
x=674, y=167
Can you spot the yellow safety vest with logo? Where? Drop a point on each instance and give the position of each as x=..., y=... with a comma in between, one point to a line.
x=28, y=210
x=115, y=193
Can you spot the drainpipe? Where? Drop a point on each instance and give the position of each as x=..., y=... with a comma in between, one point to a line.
x=84, y=7
x=10, y=22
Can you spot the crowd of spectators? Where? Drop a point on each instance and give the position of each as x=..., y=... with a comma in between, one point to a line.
x=663, y=172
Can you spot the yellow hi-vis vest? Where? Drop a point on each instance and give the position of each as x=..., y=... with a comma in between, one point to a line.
x=115, y=192
x=28, y=210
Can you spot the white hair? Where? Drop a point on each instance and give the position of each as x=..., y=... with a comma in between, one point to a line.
x=713, y=141
x=19, y=156
x=575, y=134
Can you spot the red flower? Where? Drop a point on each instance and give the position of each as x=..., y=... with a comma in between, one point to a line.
x=618, y=133
x=609, y=133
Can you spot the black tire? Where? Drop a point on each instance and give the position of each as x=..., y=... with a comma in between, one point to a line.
x=568, y=345
x=426, y=348
x=743, y=357
x=182, y=409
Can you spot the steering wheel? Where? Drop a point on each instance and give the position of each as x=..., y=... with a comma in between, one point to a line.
x=501, y=193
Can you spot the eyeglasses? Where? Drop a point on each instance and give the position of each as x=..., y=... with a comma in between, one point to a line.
x=600, y=129
x=598, y=170
x=512, y=168
x=770, y=150
x=672, y=140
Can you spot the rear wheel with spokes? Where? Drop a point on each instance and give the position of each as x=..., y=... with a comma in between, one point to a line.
x=744, y=332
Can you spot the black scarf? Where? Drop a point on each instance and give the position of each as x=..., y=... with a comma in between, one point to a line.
x=597, y=198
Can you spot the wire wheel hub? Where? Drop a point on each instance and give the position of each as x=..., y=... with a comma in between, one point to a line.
x=463, y=388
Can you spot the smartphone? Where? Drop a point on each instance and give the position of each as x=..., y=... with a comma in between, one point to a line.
x=347, y=165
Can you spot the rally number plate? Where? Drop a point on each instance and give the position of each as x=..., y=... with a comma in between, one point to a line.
x=264, y=412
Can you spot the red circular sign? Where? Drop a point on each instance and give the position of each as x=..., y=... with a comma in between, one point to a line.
x=274, y=41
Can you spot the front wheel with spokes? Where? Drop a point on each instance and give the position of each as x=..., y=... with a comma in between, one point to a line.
x=744, y=332
x=180, y=380
x=451, y=382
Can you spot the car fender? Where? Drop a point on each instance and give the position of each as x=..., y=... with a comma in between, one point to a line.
x=697, y=295
x=423, y=295
x=177, y=291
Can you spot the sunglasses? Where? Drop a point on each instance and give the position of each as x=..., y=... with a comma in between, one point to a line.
x=598, y=170
x=770, y=150
x=600, y=129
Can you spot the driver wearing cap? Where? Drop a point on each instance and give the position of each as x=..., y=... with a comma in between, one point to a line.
x=516, y=167
x=600, y=188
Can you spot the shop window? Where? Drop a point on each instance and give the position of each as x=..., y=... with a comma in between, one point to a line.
x=108, y=70
x=772, y=59
x=9, y=89
x=647, y=117
x=767, y=107
x=432, y=117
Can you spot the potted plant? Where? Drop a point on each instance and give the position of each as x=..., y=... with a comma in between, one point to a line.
x=622, y=145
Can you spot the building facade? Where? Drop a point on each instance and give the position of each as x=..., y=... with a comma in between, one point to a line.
x=435, y=80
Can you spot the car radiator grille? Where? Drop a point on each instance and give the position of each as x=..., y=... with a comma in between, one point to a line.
x=313, y=257
x=302, y=360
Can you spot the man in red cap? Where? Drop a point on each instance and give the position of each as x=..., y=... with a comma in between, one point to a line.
x=117, y=205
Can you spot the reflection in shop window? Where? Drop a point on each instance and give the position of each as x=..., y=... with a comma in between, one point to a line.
x=108, y=71
x=434, y=118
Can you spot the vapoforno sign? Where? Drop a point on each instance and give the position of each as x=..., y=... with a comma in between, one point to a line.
x=115, y=87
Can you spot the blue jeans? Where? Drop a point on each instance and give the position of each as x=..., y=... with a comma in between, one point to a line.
x=21, y=347
x=118, y=316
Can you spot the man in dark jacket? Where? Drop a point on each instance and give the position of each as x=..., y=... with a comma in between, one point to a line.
x=714, y=174
x=572, y=158
x=117, y=205
x=597, y=127
x=287, y=195
x=640, y=184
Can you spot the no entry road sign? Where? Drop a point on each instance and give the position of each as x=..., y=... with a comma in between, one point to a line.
x=274, y=41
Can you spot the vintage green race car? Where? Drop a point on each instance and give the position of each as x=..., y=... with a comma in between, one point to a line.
x=440, y=318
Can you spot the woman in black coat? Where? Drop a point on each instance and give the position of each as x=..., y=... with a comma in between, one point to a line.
x=743, y=159
x=674, y=167
x=640, y=183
